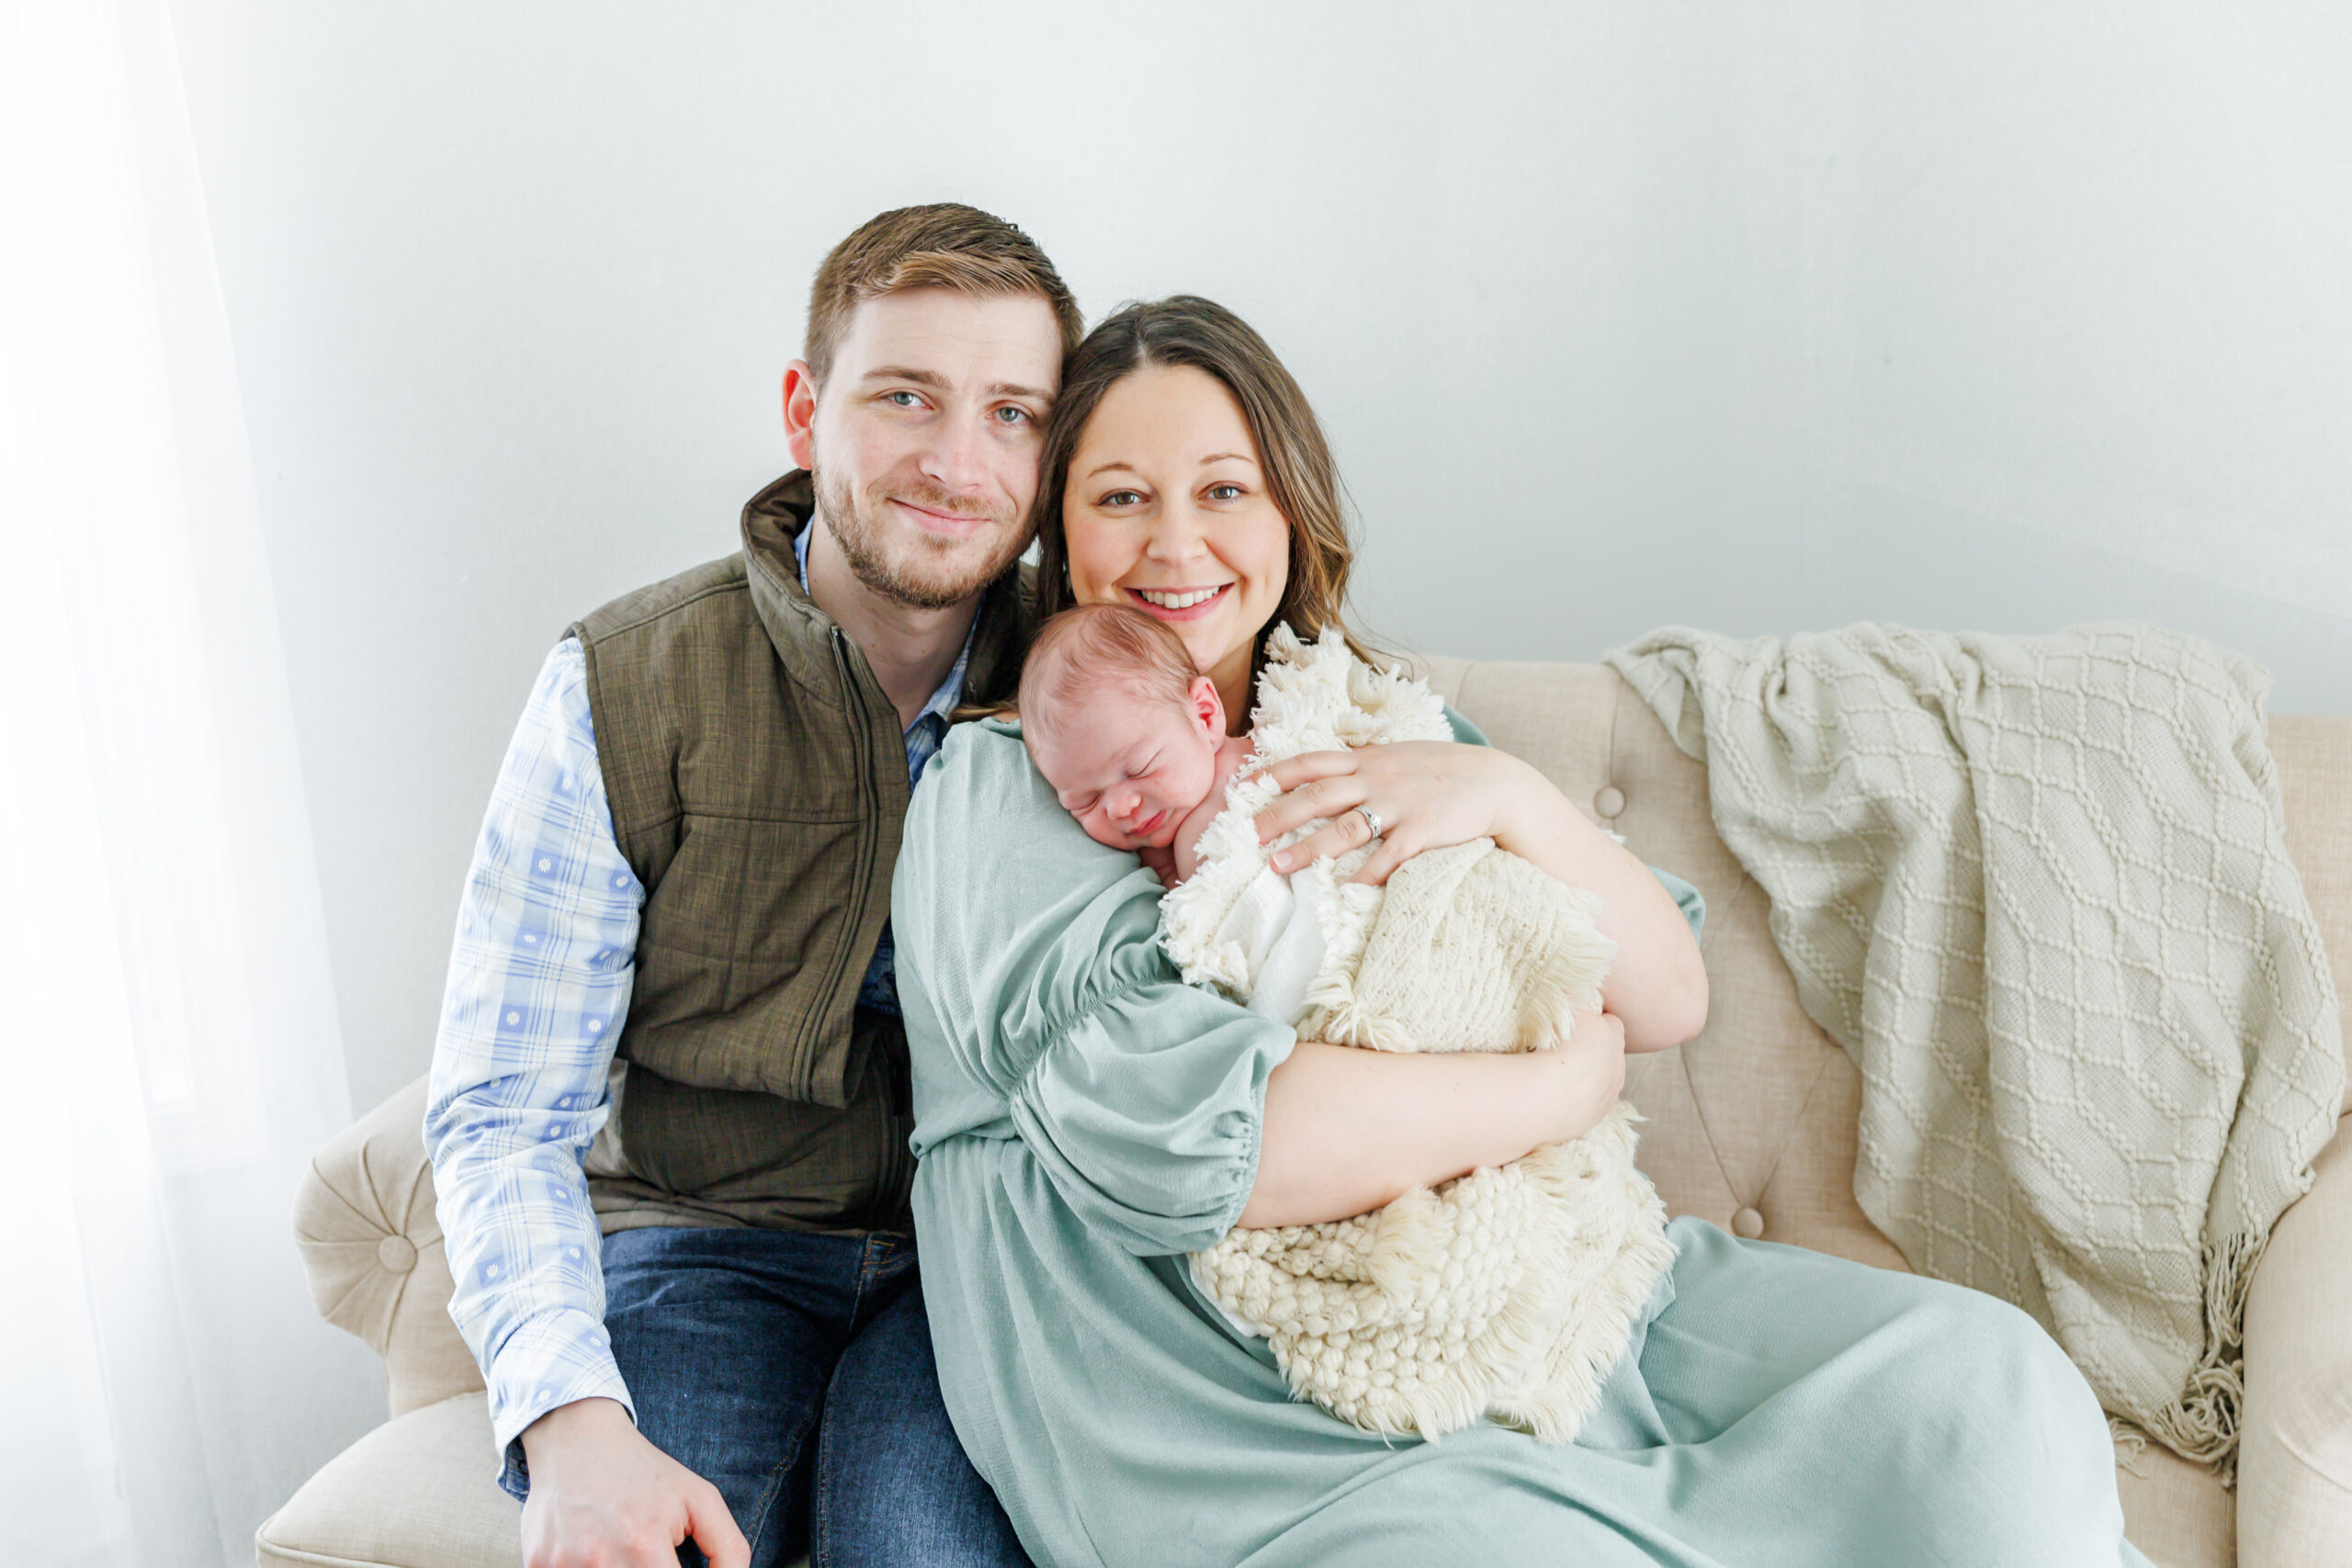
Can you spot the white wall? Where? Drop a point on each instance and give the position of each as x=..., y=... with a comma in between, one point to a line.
x=1759, y=319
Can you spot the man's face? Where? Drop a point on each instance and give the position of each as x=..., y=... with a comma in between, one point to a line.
x=924, y=438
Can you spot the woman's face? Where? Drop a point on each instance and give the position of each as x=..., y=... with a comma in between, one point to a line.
x=1166, y=509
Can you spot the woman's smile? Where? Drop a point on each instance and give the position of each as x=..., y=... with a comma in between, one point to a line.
x=1177, y=604
x=1168, y=508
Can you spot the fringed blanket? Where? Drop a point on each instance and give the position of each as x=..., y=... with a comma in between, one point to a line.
x=2037, y=889
x=1510, y=1293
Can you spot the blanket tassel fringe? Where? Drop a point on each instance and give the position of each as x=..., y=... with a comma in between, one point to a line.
x=2202, y=1424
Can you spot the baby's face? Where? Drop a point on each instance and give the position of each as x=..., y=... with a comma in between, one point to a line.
x=1131, y=768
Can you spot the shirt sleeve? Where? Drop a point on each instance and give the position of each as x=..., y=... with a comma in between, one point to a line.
x=538, y=985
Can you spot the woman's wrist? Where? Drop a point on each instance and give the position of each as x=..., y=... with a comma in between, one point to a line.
x=1527, y=806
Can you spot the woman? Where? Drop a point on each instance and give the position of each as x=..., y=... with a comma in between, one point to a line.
x=1084, y=1120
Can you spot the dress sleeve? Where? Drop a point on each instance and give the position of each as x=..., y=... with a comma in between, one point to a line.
x=1686, y=898
x=1465, y=731
x=1040, y=1007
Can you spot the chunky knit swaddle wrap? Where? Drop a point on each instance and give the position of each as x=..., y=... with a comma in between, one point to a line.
x=1510, y=1293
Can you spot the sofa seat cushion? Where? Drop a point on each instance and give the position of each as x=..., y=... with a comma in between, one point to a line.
x=2178, y=1513
x=418, y=1491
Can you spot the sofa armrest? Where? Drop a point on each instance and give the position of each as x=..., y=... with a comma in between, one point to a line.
x=371, y=1245
x=2295, y=1459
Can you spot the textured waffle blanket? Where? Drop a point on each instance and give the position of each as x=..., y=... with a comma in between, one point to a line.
x=2037, y=889
x=1509, y=1293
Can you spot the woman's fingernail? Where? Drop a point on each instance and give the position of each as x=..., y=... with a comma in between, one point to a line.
x=1282, y=859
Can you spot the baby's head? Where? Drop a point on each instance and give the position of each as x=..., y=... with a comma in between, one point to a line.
x=1120, y=723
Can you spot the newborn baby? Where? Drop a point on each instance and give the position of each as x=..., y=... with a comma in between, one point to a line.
x=1132, y=739
x=1506, y=1294
x=1129, y=735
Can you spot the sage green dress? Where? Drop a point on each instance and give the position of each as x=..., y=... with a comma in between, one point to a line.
x=1084, y=1119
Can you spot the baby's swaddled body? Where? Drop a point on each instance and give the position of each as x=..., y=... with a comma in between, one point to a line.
x=1510, y=1293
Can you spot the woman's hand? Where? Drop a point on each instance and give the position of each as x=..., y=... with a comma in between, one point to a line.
x=1587, y=1068
x=1431, y=794
x=1427, y=794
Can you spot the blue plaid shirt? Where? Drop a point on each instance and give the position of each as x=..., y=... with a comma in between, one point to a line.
x=538, y=987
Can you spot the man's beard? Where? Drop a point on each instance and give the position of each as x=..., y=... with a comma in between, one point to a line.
x=926, y=573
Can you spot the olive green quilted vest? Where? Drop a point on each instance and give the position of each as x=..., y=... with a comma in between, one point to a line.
x=757, y=777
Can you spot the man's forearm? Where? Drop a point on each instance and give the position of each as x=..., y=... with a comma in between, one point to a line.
x=538, y=987
x=522, y=1242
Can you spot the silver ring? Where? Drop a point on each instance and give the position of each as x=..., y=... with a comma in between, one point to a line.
x=1372, y=821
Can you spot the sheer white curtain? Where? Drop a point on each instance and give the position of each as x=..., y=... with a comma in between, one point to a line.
x=168, y=1049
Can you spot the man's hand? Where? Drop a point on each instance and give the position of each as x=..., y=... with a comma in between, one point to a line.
x=602, y=1496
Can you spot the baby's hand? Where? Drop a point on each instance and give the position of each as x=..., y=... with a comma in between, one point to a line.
x=1161, y=858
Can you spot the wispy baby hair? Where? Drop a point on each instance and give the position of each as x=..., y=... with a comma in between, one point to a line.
x=1081, y=651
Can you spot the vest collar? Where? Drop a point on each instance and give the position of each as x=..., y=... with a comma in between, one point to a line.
x=803, y=634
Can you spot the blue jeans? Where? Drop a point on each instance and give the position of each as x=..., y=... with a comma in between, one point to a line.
x=793, y=1371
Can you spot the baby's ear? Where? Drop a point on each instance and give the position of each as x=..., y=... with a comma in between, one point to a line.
x=1208, y=708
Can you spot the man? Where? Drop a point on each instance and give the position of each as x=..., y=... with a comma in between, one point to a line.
x=701, y=1317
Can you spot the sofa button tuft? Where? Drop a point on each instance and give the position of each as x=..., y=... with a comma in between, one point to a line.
x=397, y=1253
x=1609, y=802
x=1747, y=1223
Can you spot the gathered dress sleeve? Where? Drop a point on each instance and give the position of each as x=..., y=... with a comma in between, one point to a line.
x=1040, y=1007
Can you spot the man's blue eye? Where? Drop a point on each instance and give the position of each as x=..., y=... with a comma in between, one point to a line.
x=904, y=400
x=1009, y=415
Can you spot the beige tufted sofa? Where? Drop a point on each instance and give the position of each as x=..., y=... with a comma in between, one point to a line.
x=1751, y=1125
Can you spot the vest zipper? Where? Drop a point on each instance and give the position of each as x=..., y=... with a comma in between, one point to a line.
x=863, y=727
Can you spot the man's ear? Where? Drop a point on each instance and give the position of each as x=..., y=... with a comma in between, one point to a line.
x=1208, y=708
x=800, y=412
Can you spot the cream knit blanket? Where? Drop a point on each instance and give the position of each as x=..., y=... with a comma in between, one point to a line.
x=2037, y=889
x=1512, y=1292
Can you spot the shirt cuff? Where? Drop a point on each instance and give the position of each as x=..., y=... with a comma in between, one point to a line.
x=553, y=1358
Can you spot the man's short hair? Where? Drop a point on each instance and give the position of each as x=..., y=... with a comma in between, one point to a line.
x=943, y=244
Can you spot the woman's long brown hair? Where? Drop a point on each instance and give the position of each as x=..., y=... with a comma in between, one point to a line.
x=1303, y=483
